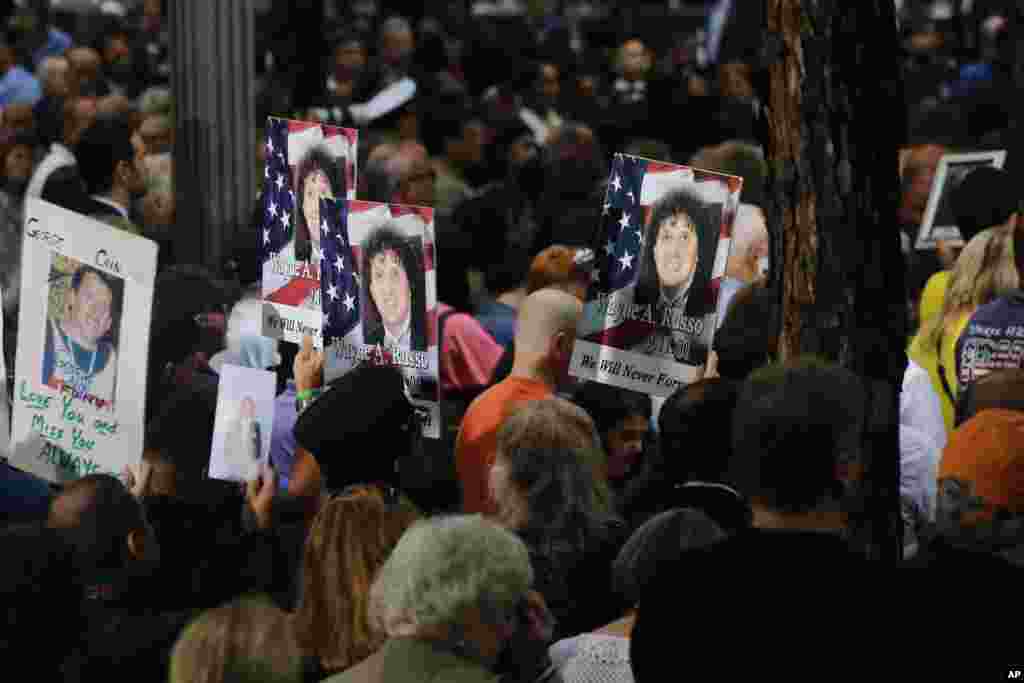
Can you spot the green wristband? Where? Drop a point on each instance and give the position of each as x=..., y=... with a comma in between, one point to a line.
x=308, y=395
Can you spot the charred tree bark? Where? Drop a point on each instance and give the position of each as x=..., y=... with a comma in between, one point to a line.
x=834, y=124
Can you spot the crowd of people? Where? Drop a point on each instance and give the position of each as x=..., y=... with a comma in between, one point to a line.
x=558, y=529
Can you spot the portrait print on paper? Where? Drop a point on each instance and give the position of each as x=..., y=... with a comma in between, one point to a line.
x=80, y=355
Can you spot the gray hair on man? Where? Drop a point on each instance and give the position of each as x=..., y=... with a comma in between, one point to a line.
x=444, y=566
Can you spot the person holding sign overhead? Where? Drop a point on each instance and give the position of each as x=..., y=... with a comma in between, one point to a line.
x=79, y=355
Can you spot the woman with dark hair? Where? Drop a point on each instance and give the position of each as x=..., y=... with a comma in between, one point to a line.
x=675, y=276
x=320, y=176
x=548, y=485
x=394, y=290
x=622, y=418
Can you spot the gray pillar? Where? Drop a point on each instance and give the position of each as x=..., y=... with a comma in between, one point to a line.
x=213, y=79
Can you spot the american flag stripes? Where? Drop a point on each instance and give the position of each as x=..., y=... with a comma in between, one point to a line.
x=339, y=284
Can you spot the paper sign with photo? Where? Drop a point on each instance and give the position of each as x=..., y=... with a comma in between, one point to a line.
x=380, y=296
x=305, y=162
x=244, y=422
x=83, y=337
x=939, y=222
x=664, y=241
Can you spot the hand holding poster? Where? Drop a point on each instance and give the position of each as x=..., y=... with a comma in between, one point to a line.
x=87, y=289
x=306, y=162
x=380, y=297
x=245, y=418
x=939, y=221
x=649, y=318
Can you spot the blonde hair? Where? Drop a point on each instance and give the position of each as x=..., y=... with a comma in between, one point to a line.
x=352, y=536
x=246, y=640
x=985, y=269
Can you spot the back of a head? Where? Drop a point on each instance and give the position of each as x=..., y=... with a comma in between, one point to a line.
x=792, y=421
x=543, y=315
x=556, y=267
x=748, y=336
x=351, y=537
x=246, y=640
x=444, y=565
x=360, y=427
x=692, y=423
x=554, y=457
x=506, y=272
x=181, y=433
x=97, y=513
x=104, y=144
x=986, y=197
x=738, y=158
x=659, y=542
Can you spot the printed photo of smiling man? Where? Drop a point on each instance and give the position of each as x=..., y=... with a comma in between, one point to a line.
x=82, y=329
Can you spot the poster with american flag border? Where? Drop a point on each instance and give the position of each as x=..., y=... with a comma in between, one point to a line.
x=662, y=248
x=305, y=162
x=379, y=293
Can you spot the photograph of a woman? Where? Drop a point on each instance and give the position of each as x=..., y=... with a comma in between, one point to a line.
x=675, y=275
x=294, y=277
x=394, y=290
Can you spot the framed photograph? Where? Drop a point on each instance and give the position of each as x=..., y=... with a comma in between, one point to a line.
x=939, y=221
x=83, y=338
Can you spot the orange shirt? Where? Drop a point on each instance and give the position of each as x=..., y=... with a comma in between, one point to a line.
x=478, y=436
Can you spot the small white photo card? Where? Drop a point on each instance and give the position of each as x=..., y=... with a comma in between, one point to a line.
x=305, y=162
x=83, y=339
x=939, y=222
x=245, y=418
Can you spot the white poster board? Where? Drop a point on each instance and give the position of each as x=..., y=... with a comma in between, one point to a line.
x=305, y=162
x=380, y=297
x=245, y=419
x=83, y=339
x=939, y=222
x=650, y=313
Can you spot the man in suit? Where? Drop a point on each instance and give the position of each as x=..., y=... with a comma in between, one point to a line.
x=111, y=162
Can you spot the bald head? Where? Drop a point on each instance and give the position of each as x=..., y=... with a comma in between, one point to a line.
x=543, y=316
x=749, y=243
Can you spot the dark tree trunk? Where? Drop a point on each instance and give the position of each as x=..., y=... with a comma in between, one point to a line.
x=834, y=125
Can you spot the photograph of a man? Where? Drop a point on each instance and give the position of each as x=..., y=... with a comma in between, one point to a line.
x=80, y=354
x=675, y=273
x=394, y=290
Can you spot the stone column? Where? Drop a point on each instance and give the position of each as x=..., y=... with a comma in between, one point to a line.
x=213, y=52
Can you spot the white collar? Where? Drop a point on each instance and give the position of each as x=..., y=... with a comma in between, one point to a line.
x=682, y=296
x=112, y=204
x=406, y=329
